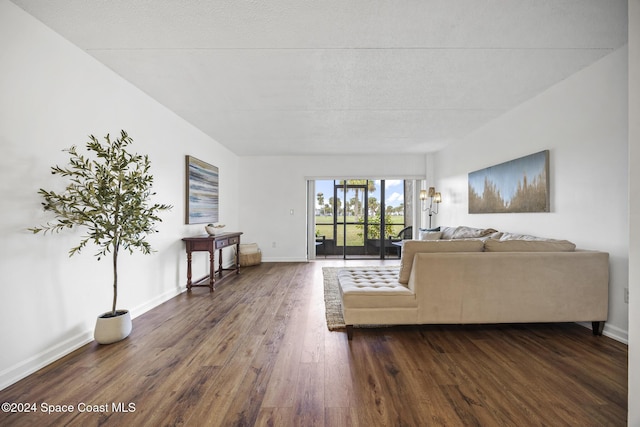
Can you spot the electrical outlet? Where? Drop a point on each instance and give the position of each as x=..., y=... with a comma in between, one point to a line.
x=626, y=295
x=273, y=244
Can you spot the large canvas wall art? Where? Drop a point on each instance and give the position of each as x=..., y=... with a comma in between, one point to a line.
x=520, y=185
x=202, y=192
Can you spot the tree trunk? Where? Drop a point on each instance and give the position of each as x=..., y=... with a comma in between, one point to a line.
x=115, y=277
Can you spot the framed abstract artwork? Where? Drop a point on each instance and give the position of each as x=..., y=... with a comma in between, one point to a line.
x=520, y=185
x=203, y=182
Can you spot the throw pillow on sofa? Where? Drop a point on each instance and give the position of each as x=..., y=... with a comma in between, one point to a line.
x=430, y=235
x=412, y=247
x=464, y=232
x=515, y=236
x=447, y=232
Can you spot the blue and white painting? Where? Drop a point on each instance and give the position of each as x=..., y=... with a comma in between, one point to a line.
x=520, y=185
x=202, y=192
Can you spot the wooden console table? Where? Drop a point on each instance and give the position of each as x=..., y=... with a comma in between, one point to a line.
x=211, y=244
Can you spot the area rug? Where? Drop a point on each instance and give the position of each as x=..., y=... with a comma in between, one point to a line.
x=332, y=301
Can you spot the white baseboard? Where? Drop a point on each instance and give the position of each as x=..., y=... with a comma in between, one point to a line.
x=27, y=367
x=616, y=333
x=275, y=259
x=610, y=331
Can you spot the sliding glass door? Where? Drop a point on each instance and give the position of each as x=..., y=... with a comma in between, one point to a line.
x=359, y=218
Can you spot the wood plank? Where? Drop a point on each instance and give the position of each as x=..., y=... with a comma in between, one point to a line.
x=338, y=387
x=309, y=395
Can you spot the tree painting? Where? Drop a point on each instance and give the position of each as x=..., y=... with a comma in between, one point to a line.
x=520, y=185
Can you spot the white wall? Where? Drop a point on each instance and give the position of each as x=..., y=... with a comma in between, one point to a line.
x=273, y=186
x=583, y=122
x=52, y=96
x=634, y=212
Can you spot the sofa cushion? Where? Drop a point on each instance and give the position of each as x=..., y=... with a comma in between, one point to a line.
x=548, y=245
x=412, y=247
x=372, y=288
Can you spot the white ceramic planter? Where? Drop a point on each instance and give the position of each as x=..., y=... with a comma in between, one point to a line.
x=112, y=329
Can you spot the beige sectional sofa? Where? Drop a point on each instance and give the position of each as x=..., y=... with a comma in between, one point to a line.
x=480, y=276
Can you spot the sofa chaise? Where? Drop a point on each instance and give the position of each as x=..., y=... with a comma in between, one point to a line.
x=481, y=276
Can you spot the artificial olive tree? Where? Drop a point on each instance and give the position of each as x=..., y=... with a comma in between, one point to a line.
x=108, y=192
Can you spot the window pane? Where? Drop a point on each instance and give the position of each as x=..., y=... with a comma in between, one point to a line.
x=394, y=213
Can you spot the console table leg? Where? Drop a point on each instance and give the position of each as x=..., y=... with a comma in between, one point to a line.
x=220, y=270
x=188, y=271
x=238, y=257
x=212, y=272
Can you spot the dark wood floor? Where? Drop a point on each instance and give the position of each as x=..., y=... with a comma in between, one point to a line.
x=257, y=352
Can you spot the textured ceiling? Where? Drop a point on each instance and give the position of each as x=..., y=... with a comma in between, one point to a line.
x=331, y=77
